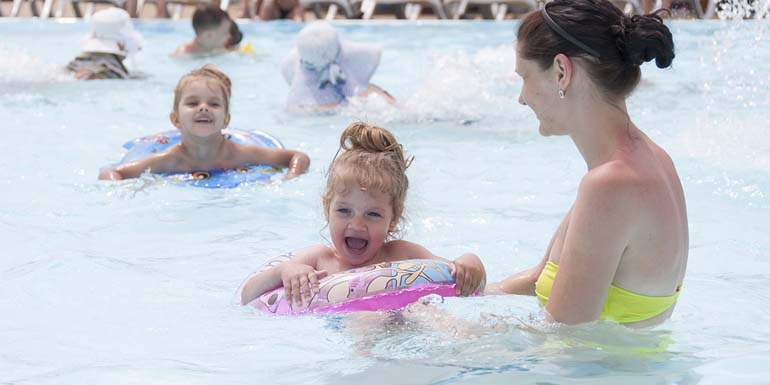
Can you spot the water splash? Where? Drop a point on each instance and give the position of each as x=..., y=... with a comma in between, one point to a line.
x=730, y=128
x=743, y=9
x=19, y=66
x=462, y=87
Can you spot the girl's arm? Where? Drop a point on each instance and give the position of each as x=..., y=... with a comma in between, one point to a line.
x=133, y=169
x=298, y=164
x=267, y=277
x=469, y=273
x=295, y=271
x=467, y=269
x=296, y=161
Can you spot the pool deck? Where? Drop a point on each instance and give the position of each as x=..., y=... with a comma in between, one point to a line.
x=149, y=10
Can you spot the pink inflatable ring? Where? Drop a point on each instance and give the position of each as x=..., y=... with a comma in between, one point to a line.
x=384, y=286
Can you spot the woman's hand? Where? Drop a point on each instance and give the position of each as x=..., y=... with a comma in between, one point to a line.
x=469, y=274
x=300, y=283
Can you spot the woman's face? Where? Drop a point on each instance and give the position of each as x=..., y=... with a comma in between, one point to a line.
x=540, y=91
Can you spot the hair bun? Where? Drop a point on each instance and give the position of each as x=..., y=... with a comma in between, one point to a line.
x=643, y=38
x=364, y=137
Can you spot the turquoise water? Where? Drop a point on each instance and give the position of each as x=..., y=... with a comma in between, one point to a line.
x=134, y=282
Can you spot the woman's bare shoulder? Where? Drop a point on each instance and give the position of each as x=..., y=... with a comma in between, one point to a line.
x=612, y=178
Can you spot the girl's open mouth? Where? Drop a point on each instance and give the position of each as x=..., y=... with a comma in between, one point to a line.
x=356, y=245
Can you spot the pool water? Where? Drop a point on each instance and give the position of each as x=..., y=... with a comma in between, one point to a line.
x=135, y=282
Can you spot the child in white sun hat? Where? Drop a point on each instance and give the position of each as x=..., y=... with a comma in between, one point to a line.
x=323, y=70
x=111, y=40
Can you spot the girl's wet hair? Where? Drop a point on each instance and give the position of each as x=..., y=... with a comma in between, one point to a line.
x=373, y=159
x=208, y=72
x=619, y=44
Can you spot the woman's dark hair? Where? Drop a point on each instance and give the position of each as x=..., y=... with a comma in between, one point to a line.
x=209, y=15
x=618, y=44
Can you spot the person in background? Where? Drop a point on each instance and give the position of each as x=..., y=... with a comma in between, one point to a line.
x=273, y=9
x=201, y=111
x=215, y=32
x=103, y=50
x=323, y=71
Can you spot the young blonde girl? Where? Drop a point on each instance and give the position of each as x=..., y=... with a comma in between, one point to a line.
x=363, y=204
x=201, y=111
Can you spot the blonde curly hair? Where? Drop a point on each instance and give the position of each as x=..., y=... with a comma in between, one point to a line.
x=375, y=161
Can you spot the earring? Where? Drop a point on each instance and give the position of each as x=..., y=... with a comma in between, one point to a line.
x=561, y=93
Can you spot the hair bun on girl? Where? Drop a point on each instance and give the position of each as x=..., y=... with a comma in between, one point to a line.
x=364, y=137
x=643, y=38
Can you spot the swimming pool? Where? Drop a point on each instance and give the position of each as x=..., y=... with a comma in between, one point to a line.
x=134, y=282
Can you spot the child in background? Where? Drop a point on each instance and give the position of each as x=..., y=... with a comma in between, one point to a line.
x=201, y=111
x=323, y=71
x=111, y=40
x=363, y=204
x=215, y=32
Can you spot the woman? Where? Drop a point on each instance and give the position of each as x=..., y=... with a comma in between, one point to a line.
x=621, y=250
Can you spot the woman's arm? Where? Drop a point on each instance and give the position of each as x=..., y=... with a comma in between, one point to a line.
x=597, y=235
x=523, y=282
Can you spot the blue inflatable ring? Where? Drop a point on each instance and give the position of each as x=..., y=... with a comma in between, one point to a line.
x=145, y=146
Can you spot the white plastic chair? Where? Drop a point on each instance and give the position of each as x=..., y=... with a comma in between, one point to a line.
x=175, y=7
x=498, y=9
x=334, y=6
x=75, y=4
x=411, y=9
x=16, y=7
x=707, y=13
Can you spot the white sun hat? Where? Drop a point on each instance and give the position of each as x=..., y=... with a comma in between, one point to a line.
x=112, y=32
x=324, y=69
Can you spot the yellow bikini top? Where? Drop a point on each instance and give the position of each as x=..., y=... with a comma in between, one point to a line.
x=620, y=306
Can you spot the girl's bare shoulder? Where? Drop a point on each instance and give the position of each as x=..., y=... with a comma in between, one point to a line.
x=400, y=249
